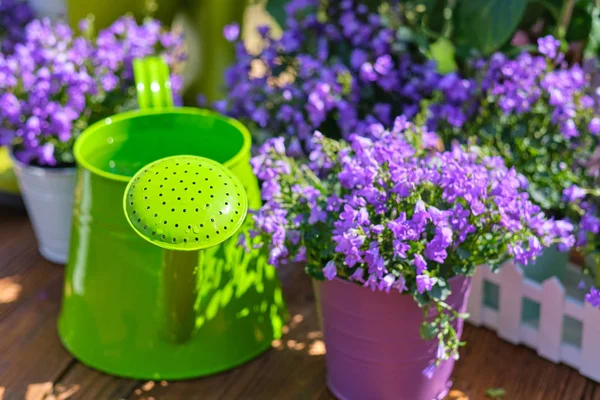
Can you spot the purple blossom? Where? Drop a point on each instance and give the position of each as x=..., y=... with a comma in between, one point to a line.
x=430, y=370
x=594, y=126
x=330, y=270
x=328, y=86
x=55, y=84
x=593, y=297
x=231, y=32
x=420, y=264
x=548, y=46
x=14, y=16
x=573, y=193
x=425, y=283
x=537, y=101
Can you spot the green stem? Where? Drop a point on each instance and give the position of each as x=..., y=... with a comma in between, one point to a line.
x=448, y=16
x=555, y=11
x=565, y=18
x=179, y=293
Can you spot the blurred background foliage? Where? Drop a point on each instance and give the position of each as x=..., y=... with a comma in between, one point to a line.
x=453, y=31
x=448, y=31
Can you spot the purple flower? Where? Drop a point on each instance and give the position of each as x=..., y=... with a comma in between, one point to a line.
x=330, y=270
x=425, y=283
x=46, y=155
x=383, y=64
x=593, y=297
x=594, y=126
x=231, y=32
x=400, y=284
x=548, y=46
x=56, y=84
x=357, y=275
x=436, y=249
x=312, y=50
x=430, y=370
x=573, y=193
x=420, y=264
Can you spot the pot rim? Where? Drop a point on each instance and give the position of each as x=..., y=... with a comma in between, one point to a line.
x=349, y=282
x=41, y=171
x=97, y=126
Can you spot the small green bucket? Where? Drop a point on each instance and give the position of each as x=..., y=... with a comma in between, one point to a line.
x=113, y=312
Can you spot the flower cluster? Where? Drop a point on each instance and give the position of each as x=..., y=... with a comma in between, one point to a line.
x=56, y=83
x=375, y=211
x=337, y=68
x=14, y=15
x=539, y=115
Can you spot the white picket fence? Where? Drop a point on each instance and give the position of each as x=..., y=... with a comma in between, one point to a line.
x=554, y=304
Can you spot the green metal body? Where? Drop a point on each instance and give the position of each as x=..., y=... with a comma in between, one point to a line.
x=111, y=316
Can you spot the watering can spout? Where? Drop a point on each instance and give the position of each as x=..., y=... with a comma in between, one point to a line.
x=180, y=277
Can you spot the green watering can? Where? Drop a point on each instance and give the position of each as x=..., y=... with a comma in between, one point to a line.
x=148, y=299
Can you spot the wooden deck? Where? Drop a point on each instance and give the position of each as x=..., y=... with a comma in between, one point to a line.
x=34, y=365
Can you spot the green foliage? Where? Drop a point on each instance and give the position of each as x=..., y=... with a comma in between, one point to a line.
x=451, y=31
x=488, y=24
x=443, y=52
x=277, y=10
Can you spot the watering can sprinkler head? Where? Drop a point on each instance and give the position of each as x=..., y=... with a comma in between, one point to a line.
x=184, y=204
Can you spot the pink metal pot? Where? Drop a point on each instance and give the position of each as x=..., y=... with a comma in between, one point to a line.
x=374, y=349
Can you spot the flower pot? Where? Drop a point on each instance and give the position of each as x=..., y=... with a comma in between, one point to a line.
x=48, y=197
x=374, y=348
x=49, y=8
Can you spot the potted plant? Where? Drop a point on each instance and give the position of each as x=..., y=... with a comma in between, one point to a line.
x=393, y=235
x=54, y=85
x=538, y=113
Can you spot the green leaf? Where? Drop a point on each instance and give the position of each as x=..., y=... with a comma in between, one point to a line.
x=427, y=331
x=593, y=45
x=580, y=26
x=443, y=52
x=439, y=293
x=277, y=10
x=488, y=24
x=495, y=393
x=463, y=254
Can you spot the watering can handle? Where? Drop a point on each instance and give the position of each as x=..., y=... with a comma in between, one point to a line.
x=152, y=83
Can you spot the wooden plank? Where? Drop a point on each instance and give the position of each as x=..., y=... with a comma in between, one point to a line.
x=33, y=364
x=31, y=354
x=81, y=382
x=293, y=369
x=487, y=362
x=23, y=274
x=22, y=271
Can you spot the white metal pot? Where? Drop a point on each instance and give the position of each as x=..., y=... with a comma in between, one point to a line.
x=48, y=197
x=49, y=8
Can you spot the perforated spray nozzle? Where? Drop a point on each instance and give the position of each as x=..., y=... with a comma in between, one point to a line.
x=184, y=204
